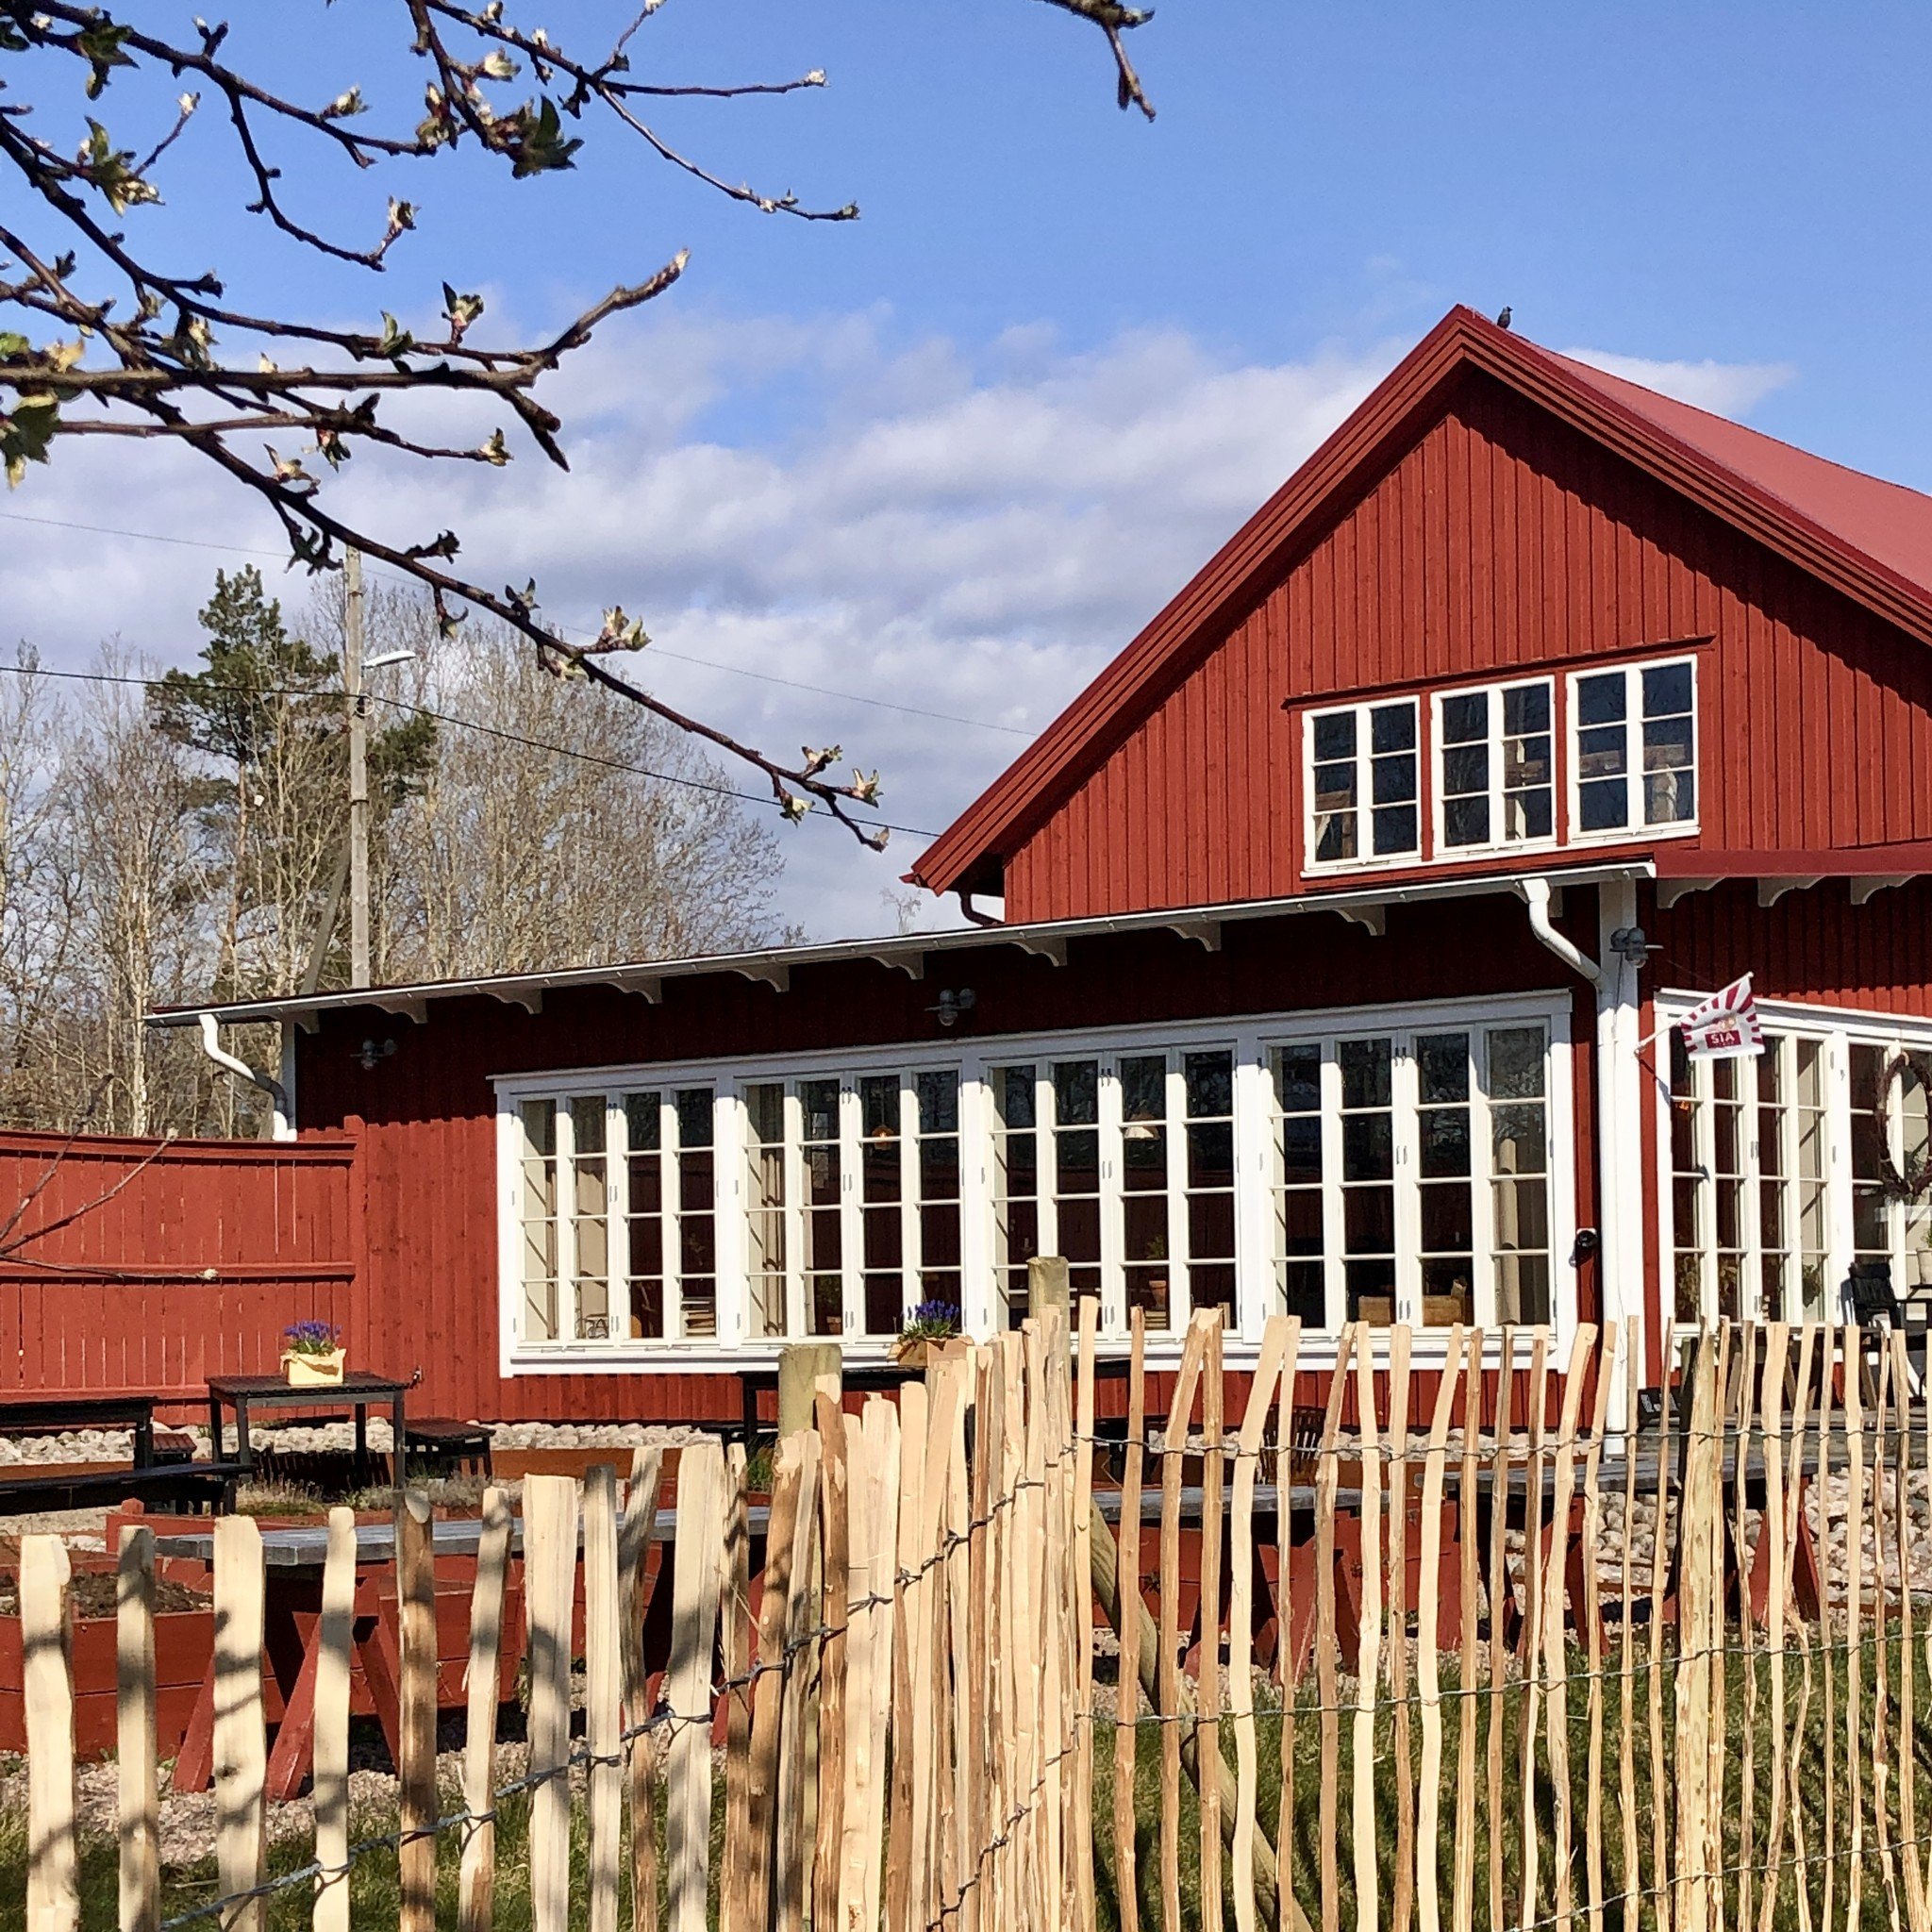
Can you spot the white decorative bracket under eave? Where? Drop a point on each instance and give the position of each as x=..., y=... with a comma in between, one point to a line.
x=911, y=964
x=647, y=986
x=404, y=1005
x=309, y=1022
x=1373, y=918
x=1867, y=884
x=1771, y=890
x=1669, y=891
x=1206, y=933
x=777, y=977
x=528, y=997
x=1049, y=947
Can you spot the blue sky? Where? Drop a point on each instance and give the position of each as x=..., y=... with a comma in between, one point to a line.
x=952, y=454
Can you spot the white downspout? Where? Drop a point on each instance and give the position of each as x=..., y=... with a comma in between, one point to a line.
x=284, y=1128
x=1536, y=893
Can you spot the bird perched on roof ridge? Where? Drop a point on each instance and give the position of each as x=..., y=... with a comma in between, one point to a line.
x=1503, y=320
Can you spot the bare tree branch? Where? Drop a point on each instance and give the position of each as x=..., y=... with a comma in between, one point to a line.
x=117, y=345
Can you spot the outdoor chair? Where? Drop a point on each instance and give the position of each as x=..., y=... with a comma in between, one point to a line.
x=1872, y=1307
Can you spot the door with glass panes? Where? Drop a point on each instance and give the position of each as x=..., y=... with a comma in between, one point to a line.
x=1123, y=1163
x=1411, y=1176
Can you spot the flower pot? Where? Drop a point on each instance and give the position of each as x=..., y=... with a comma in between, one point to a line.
x=909, y=1351
x=1921, y=1266
x=312, y=1370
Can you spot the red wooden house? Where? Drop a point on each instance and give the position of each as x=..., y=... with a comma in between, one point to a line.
x=1341, y=923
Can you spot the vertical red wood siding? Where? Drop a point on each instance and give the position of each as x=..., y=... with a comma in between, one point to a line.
x=1502, y=539
x=148, y=1265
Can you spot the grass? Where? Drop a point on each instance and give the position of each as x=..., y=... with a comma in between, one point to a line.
x=374, y=1898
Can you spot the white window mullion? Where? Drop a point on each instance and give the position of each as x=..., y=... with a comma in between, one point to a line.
x=1181, y=1292
x=1334, y=1238
x=1405, y=1087
x=566, y=1223
x=797, y=1306
x=1482, y=1189
x=672, y=1183
x=1838, y=1168
x=731, y=1226
x=851, y=1207
x=617, y=1214
x=1113, y=1238
x=912, y=1191
x=1254, y=1244
x=978, y=1292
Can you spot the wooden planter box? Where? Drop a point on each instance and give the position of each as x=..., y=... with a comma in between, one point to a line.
x=184, y=1641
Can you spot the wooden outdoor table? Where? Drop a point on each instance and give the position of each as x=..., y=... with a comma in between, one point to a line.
x=359, y=1390
x=294, y=1561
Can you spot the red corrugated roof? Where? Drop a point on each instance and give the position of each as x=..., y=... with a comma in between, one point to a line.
x=1868, y=539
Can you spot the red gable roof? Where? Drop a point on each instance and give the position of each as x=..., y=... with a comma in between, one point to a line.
x=1869, y=538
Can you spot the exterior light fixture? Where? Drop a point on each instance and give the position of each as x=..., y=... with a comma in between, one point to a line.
x=951, y=1004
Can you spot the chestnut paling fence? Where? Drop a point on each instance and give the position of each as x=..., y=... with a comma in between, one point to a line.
x=1486, y=1645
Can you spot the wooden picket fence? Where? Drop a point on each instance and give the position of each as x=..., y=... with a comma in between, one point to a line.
x=1532, y=1658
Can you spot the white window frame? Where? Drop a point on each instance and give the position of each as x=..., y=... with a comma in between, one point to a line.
x=1364, y=783
x=1838, y=1030
x=1633, y=826
x=1249, y=1038
x=1492, y=690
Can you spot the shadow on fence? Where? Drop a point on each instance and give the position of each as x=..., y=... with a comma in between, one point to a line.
x=1534, y=1657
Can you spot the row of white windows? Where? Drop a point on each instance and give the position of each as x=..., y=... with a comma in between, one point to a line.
x=1382, y=1174
x=1776, y=1173
x=1630, y=766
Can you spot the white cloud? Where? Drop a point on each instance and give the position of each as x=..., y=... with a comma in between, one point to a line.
x=964, y=530
x=1725, y=388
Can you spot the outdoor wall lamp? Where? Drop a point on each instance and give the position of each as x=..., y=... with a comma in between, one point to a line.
x=952, y=1005
x=1631, y=945
x=373, y=1053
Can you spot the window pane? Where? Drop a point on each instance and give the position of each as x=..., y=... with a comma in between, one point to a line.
x=1602, y=753
x=1392, y=727
x=1666, y=689
x=644, y=1121
x=1209, y=1079
x=1076, y=1093
x=764, y=1112
x=939, y=1102
x=1335, y=734
x=1442, y=1067
x=1297, y=1078
x=1516, y=1062
x=1365, y=1072
x=1466, y=822
x=1392, y=780
x=1396, y=830
x=878, y=1106
x=694, y=1117
x=1143, y=1089
x=1527, y=707
x=1604, y=804
x=1601, y=697
x=1465, y=769
x=1465, y=718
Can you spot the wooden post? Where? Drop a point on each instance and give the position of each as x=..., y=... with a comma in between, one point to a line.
x=1396, y=1604
x=335, y=1641
x=1327, y=1673
x=799, y=1454
x=699, y=1558
x=1240, y=1616
x=1462, y=1906
x=1207, y=1683
x=733, y=1658
x=603, y=1696
x=1127, y=1705
x=240, y=1743
x=1555, y=1664
x=1369, y=1665
x=1592, y=1617
x=53, y=1872
x=835, y=1555
x=550, y=1554
x=907, y=1692
x=476, y=1895
x=1284, y=1815
x=804, y=1368
x=633, y=1551
x=1167, y=1678
x=1086, y=1901
x=416, y=1772
x=1428, y=1682
x=1502, y=1448
x=135, y=1749
x=875, y=1523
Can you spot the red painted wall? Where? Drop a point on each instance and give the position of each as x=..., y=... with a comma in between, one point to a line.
x=1502, y=539
x=425, y=1116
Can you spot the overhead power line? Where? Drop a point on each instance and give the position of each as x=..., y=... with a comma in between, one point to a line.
x=497, y=731
x=850, y=697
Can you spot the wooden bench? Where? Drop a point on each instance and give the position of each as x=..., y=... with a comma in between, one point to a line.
x=178, y=1485
x=449, y=1445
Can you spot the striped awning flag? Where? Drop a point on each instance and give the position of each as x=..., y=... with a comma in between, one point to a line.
x=1726, y=1026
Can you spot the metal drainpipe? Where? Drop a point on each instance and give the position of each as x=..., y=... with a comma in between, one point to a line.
x=284, y=1128
x=1536, y=893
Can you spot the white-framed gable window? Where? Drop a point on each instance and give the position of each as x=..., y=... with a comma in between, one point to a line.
x=1361, y=773
x=1633, y=749
x=1495, y=766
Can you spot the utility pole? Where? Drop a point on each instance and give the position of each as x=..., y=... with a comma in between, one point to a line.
x=358, y=773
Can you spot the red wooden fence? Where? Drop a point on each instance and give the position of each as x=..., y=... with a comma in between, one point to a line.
x=152, y=1265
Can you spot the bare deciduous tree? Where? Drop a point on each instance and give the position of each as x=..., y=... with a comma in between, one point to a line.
x=156, y=353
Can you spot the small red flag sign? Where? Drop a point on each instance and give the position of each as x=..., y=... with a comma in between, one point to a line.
x=1726, y=1026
